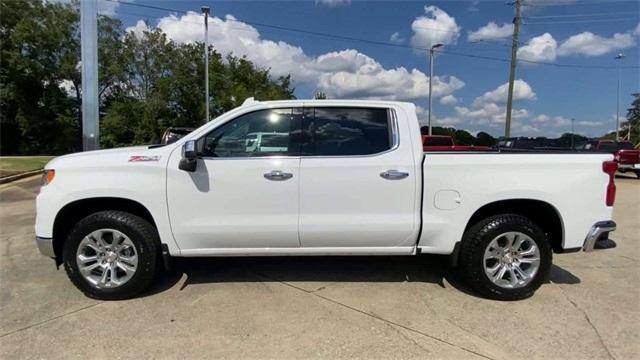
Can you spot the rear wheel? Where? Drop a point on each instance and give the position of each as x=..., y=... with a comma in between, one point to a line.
x=111, y=255
x=505, y=257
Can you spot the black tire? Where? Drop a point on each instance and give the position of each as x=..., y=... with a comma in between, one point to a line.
x=144, y=237
x=476, y=240
x=637, y=173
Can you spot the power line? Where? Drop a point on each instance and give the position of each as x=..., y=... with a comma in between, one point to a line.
x=575, y=3
x=575, y=15
x=579, y=21
x=369, y=41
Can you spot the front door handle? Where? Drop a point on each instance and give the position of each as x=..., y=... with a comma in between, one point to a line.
x=393, y=175
x=277, y=175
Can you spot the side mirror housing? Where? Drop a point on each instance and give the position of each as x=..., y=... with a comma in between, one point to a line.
x=189, y=161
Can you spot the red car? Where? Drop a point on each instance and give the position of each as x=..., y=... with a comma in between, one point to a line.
x=625, y=155
x=446, y=143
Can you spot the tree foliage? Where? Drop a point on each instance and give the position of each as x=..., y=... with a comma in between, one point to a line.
x=631, y=127
x=146, y=81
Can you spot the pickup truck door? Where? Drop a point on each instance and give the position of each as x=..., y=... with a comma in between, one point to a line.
x=358, y=182
x=244, y=193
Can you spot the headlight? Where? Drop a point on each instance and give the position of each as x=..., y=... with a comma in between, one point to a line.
x=47, y=176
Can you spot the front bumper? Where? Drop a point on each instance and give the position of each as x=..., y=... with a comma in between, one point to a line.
x=599, y=233
x=45, y=245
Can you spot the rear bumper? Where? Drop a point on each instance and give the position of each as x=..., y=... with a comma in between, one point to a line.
x=599, y=233
x=45, y=245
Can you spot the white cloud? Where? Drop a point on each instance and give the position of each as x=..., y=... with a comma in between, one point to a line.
x=346, y=78
x=636, y=31
x=590, y=123
x=139, y=28
x=521, y=91
x=539, y=48
x=340, y=74
x=437, y=27
x=491, y=31
x=396, y=38
x=333, y=3
x=450, y=121
x=489, y=114
x=554, y=121
x=589, y=44
x=448, y=100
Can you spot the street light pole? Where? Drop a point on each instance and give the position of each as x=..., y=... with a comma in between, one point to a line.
x=89, y=57
x=619, y=57
x=431, y=51
x=572, y=136
x=205, y=11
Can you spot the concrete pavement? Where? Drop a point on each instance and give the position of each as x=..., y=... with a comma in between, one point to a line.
x=343, y=307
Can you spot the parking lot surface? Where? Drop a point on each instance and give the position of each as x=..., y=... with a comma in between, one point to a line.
x=306, y=307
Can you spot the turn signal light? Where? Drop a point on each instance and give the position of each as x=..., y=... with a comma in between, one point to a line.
x=47, y=176
x=610, y=168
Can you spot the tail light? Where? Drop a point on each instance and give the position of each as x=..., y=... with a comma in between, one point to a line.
x=610, y=168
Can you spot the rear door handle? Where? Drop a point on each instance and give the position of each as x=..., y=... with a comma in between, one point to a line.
x=278, y=175
x=393, y=175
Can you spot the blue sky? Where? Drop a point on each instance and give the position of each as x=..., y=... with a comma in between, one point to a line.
x=471, y=91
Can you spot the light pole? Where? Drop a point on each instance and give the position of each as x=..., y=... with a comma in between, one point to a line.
x=205, y=11
x=431, y=51
x=620, y=56
x=572, y=143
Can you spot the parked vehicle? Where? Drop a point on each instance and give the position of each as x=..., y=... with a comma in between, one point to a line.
x=173, y=134
x=624, y=154
x=446, y=143
x=351, y=179
x=529, y=143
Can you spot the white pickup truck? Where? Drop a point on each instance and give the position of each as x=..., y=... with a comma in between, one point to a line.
x=341, y=178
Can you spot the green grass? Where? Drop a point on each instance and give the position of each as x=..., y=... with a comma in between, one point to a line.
x=20, y=164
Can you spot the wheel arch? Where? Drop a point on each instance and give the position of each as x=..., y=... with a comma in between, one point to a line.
x=75, y=211
x=540, y=212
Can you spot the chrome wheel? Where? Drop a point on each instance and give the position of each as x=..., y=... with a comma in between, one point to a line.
x=107, y=258
x=511, y=260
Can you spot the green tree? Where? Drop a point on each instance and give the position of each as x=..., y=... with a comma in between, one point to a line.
x=484, y=139
x=37, y=53
x=631, y=127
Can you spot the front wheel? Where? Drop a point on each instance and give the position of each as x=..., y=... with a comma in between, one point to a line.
x=505, y=257
x=111, y=255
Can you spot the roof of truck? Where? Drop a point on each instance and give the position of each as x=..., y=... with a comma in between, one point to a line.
x=251, y=101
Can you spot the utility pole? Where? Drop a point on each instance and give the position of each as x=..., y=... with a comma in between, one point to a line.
x=205, y=11
x=89, y=57
x=512, y=73
x=618, y=57
x=431, y=51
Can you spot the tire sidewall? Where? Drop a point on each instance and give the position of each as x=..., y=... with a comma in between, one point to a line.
x=485, y=234
x=125, y=223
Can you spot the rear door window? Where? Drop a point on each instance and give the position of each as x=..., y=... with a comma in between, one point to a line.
x=345, y=131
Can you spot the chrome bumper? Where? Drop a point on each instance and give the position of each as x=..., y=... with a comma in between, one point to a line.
x=45, y=245
x=599, y=231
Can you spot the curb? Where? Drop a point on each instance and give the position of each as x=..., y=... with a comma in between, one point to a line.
x=23, y=175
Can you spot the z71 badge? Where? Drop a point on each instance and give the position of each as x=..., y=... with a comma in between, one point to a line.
x=138, y=158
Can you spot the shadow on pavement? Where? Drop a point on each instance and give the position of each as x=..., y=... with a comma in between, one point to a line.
x=432, y=269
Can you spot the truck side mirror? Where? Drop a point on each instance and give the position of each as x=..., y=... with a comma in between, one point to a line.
x=189, y=161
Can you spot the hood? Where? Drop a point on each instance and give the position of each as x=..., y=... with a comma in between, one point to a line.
x=109, y=156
